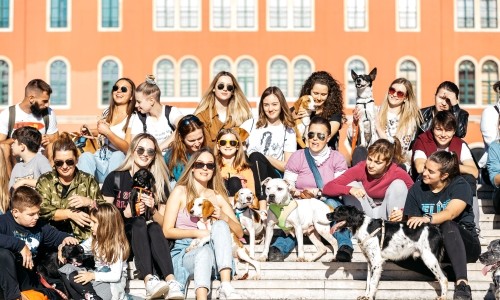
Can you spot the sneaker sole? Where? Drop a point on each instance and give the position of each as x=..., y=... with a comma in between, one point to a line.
x=177, y=297
x=159, y=293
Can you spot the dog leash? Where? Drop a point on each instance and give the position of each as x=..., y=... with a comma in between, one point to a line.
x=374, y=233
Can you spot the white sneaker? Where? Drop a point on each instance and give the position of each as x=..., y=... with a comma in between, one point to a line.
x=227, y=291
x=174, y=291
x=155, y=288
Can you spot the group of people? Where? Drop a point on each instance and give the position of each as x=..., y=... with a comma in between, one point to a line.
x=417, y=170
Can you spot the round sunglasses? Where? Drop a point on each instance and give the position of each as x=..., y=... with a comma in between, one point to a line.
x=123, y=89
x=399, y=94
x=233, y=143
x=229, y=87
x=149, y=152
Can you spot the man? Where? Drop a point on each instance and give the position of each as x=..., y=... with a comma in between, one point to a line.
x=32, y=111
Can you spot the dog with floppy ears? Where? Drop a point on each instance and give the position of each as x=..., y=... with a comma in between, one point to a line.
x=297, y=217
x=246, y=207
x=307, y=103
x=203, y=209
x=381, y=240
x=491, y=260
x=366, y=105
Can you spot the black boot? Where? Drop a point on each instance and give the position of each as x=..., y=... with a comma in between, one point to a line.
x=344, y=254
x=275, y=255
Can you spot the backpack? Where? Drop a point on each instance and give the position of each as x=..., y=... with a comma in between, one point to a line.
x=12, y=119
x=143, y=117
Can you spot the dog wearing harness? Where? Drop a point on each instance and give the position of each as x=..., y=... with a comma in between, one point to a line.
x=246, y=210
x=366, y=104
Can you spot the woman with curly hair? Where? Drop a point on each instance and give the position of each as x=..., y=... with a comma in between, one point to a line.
x=328, y=100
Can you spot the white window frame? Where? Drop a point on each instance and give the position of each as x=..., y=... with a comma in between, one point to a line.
x=195, y=99
x=49, y=28
x=177, y=18
x=255, y=91
x=212, y=66
x=292, y=66
x=477, y=18
x=480, y=64
x=99, y=77
x=418, y=91
x=290, y=26
x=11, y=81
x=164, y=98
x=289, y=73
x=233, y=24
x=346, y=19
x=11, y=18
x=477, y=94
x=418, y=17
x=66, y=106
x=120, y=18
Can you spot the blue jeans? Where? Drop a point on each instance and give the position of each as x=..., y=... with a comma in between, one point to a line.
x=343, y=237
x=100, y=163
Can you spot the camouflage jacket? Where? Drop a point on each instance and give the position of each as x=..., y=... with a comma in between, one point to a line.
x=50, y=188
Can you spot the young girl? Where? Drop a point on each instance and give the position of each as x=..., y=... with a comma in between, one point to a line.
x=110, y=248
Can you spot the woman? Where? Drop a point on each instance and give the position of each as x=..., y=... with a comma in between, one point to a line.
x=4, y=185
x=446, y=98
x=299, y=173
x=202, y=179
x=223, y=105
x=188, y=138
x=114, y=129
x=271, y=139
x=67, y=192
x=146, y=238
x=443, y=198
x=377, y=185
x=328, y=100
x=493, y=166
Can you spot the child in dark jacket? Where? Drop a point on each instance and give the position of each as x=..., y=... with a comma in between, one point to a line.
x=21, y=235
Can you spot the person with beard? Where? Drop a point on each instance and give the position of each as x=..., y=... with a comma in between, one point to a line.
x=32, y=111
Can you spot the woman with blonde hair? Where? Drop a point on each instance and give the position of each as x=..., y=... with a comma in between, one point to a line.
x=4, y=185
x=223, y=105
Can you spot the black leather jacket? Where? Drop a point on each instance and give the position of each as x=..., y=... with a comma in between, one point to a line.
x=461, y=115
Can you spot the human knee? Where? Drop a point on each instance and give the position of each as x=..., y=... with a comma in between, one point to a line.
x=219, y=227
x=139, y=224
x=6, y=257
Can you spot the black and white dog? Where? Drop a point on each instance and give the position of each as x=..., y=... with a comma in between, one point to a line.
x=366, y=104
x=381, y=240
x=491, y=260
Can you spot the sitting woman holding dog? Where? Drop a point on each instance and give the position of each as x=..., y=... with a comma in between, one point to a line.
x=444, y=198
x=202, y=178
x=377, y=185
x=148, y=244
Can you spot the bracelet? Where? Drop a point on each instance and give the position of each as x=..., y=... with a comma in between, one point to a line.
x=429, y=216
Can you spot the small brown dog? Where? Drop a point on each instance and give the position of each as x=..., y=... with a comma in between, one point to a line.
x=305, y=102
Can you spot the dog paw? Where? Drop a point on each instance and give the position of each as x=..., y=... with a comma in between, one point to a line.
x=262, y=258
x=256, y=277
x=364, y=298
x=301, y=259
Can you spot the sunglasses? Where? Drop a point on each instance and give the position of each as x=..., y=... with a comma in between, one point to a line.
x=190, y=118
x=123, y=89
x=149, y=151
x=221, y=86
x=399, y=94
x=321, y=136
x=68, y=162
x=233, y=143
x=201, y=165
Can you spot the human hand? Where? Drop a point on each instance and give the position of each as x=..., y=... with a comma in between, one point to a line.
x=84, y=277
x=308, y=194
x=396, y=215
x=67, y=241
x=79, y=217
x=356, y=115
x=77, y=201
x=45, y=140
x=27, y=257
x=219, y=214
x=148, y=200
x=301, y=113
x=103, y=127
x=357, y=192
x=415, y=222
x=18, y=184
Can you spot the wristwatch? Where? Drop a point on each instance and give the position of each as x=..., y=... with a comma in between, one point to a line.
x=319, y=194
x=429, y=216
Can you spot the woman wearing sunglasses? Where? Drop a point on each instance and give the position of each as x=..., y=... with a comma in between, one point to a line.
x=446, y=98
x=148, y=244
x=114, y=128
x=67, y=192
x=202, y=179
x=223, y=106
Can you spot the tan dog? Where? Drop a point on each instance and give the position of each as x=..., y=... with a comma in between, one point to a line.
x=203, y=209
x=306, y=102
x=245, y=207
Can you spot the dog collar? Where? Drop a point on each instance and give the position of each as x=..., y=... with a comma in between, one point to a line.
x=374, y=233
x=282, y=212
x=238, y=212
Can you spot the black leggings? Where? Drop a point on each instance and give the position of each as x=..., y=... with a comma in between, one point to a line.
x=78, y=290
x=261, y=168
x=150, y=247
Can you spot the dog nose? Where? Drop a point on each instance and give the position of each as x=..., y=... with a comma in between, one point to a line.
x=249, y=198
x=271, y=197
x=191, y=211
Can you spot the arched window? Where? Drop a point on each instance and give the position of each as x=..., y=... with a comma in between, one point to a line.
x=489, y=75
x=359, y=67
x=165, y=72
x=467, y=82
x=109, y=75
x=221, y=65
x=279, y=75
x=301, y=71
x=58, y=82
x=189, y=78
x=246, y=77
x=408, y=70
x=4, y=82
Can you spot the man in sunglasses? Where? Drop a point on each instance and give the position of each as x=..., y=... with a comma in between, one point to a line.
x=33, y=111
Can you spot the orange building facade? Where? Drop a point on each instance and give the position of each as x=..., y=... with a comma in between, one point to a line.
x=81, y=47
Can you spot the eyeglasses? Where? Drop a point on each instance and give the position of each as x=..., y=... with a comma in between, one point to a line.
x=233, y=143
x=229, y=87
x=321, y=136
x=190, y=118
x=201, y=165
x=68, y=162
x=149, y=151
x=123, y=89
x=399, y=94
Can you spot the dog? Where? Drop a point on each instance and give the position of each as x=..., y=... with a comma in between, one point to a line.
x=203, y=209
x=491, y=260
x=366, y=104
x=309, y=217
x=380, y=240
x=306, y=102
x=245, y=208
x=143, y=182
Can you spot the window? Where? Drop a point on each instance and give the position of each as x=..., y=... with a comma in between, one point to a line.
x=165, y=13
x=221, y=65
x=189, y=78
x=110, y=13
x=189, y=13
x=177, y=14
x=279, y=75
x=301, y=71
x=359, y=67
x=233, y=14
x=408, y=70
x=356, y=15
x=290, y=14
x=59, y=83
x=58, y=13
x=468, y=12
x=109, y=75
x=407, y=17
x=488, y=10
x=166, y=78
x=246, y=15
x=246, y=77
x=5, y=14
x=465, y=13
x=489, y=75
x=221, y=13
x=4, y=82
x=466, y=82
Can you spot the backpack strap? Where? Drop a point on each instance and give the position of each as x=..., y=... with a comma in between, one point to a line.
x=46, y=122
x=12, y=119
x=496, y=108
x=142, y=117
x=116, y=180
x=168, y=109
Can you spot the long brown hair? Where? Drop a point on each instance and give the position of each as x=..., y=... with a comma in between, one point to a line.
x=130, y=105
x=285, y=114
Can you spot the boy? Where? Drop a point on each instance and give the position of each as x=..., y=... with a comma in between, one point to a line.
x=26, y=144
x=20, y=237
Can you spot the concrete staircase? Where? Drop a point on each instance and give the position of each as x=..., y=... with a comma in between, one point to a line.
x=331, y=280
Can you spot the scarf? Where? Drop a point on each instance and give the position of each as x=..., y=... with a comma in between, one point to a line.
x=322, y=156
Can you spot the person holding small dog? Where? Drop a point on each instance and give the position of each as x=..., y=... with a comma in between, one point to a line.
x=22, y=235
x=150, y=248
x=444, y=198
x=203, y=179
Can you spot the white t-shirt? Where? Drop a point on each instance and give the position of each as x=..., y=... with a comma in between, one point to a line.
x=465, y=153
x=23, y=119
x=273, y=141
x=159, y=128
